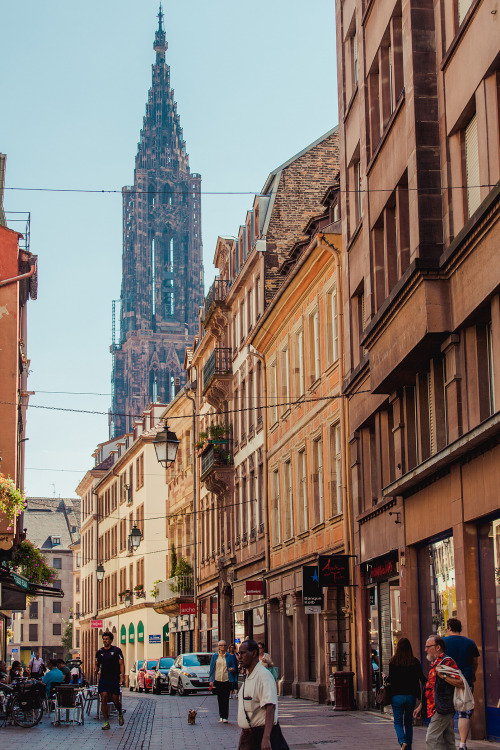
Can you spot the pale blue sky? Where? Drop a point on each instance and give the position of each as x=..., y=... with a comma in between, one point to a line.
x=254, y=83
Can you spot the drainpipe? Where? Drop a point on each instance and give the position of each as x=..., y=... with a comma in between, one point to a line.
x=28, y=275
x=348, y=528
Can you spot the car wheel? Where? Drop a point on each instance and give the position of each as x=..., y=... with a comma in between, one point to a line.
x=171, y=689
x=181, y=689
x=146, y=690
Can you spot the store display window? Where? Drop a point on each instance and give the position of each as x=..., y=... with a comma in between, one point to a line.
x=489, y=560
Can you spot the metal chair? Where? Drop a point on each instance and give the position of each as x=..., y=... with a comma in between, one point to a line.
x=90, y=695
x=69, y=700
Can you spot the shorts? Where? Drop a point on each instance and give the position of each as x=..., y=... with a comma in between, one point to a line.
x=109, y=686
x=465, y=714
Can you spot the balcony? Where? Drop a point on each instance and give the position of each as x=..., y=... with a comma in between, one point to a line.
x=215, y=299
x=218, y=377
x=216, y=457
x=172, y=593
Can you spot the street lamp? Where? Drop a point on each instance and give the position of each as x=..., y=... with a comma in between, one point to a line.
x=134, y=538
x=70, y=618
x=166, y=445
x=100, y=572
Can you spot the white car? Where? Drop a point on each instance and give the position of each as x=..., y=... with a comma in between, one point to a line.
x=189, y=673
x=132, y=675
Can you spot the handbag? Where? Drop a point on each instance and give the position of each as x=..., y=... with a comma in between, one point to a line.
x=277, y=740
x=383, y=696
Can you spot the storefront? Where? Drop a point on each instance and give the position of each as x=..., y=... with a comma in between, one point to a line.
x=489, y=574
x=182, y=630
x=249, y=612
x=383, y=594
x=437, y=585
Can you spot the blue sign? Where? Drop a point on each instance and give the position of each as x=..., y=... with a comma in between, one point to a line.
x=15, y=650
x=155, y=638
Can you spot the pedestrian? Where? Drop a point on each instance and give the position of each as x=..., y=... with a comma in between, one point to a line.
x=110, y=664
x=36, y=667
x=65, y=670
x=264, y=657
x=53, y=676
x=223, y=670
x=405, y=676
x=439, y=697
x=257, y=700
x=465, y=653
x=233, y=650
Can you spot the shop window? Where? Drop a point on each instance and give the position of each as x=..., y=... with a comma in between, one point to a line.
x=489, y=546
x=437, y=585
x=311, y=646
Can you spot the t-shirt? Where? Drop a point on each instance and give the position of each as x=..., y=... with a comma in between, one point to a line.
x=109, y=662
x=258, y=690
x=53, y=675
x=463, y=650
x=35, y=665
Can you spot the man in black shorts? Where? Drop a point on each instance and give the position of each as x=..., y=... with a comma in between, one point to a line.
x=111, y=667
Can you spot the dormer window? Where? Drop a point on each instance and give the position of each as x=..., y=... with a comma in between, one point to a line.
x=55, y=540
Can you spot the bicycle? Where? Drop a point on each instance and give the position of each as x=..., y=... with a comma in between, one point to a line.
x=22, y=703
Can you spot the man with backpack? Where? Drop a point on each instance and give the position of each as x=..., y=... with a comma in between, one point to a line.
x=36, y=667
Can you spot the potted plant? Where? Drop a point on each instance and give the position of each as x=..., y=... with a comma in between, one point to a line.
x=12, y=502
x=155, y=590
x=200, y=444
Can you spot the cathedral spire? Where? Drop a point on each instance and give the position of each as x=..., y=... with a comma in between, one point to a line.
x=160, y=44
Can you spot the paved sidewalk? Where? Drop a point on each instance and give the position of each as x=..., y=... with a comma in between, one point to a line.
x=160, y=723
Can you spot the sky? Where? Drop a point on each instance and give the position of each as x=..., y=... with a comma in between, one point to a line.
x=254, y=84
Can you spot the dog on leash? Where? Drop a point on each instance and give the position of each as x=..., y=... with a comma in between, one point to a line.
x=192, y=716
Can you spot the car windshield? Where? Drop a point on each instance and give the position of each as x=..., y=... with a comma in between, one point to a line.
x=152, y=664
x=140, y=663
x=197, y=660
x=166, y=663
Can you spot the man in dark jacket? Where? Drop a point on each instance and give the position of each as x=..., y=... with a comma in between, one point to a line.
x=439, y=692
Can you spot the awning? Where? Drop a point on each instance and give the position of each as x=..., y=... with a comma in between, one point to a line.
x=140, y=631
x=166, y=636
x=14, y=589
x=123, y=634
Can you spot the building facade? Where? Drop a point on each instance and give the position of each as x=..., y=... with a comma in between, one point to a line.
x=162, y=277
x=419, y=134
x=52, y=524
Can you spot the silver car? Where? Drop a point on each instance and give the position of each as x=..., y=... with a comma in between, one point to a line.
x=189, y=673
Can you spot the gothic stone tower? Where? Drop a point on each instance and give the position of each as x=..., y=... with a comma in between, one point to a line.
x=162, y=282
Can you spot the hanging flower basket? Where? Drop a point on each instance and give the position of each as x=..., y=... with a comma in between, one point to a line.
x=30, y=562
x=12, y=502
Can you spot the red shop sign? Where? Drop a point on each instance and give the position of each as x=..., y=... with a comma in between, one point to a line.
x=253, y=588
x=188, y=608
x=384, y=568
x=96, y=623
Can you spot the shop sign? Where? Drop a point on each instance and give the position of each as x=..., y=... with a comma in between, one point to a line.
x=15, y=650
x=96, y=623
x=253, y=588
x=188, y=608
x=312, y=594
x=333, y=570
x=20, y=581
x=155, y=638
x=315, y=610
x=383, y=568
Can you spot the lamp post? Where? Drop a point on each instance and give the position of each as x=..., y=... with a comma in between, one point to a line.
x=70, y=618
x=134, y=538
x=166, y=445
x=100, y=572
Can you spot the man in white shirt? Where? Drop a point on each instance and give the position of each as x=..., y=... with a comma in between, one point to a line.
x=257, y=699
x=36, y=666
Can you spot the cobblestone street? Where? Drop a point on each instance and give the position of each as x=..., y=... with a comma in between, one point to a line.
x=158, y=722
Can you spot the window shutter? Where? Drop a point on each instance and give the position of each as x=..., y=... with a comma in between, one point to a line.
x=472, y=166
x=432, y=416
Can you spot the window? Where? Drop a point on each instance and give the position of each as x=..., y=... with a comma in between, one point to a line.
x=302, y=477
x=335, y=479
x=56, y=628
x=357, y=189
x=56, y=607
x=332, y=332
x=273, y=392
x=139, y=472
x=33, y=632
x=288, y=500
x=275, y=507
x=299, y=363
x=57, y=563
x=318, y=513
x=77, y=584
x=284, y=375
x=55, y=540
x=314, y=348
x=463, y=9
x=472, y=167
x=34, y=611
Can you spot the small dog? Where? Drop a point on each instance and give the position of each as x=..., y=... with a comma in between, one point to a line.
x=192, y=716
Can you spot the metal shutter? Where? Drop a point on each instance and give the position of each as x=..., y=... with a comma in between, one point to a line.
x=472, y=166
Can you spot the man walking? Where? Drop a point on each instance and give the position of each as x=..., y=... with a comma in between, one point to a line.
x=439, y=696
x=111, y=667
x=257, y=699
x=465, y=652
x=36, y=667
x=223, y=668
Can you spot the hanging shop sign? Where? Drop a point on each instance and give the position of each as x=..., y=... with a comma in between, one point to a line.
x=312, y=594
x=383, y=568
x=96, y=623
x=333, y=570
x=188, y=608
x=254, y=588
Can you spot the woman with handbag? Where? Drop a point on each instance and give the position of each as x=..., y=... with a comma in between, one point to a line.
x=405, y=676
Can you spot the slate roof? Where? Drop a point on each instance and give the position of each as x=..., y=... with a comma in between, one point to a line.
x=49, y=517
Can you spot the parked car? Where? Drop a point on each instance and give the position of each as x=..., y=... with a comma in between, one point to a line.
x=189, y=673
x=132, y=675
x=160, y=677
x=145, y=675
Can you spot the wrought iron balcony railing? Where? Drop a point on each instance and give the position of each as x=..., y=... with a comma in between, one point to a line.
x=214, y=457
x=216, y=293
x=219, y=363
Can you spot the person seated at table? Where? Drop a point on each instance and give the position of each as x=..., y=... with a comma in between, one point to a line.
x=15, y=672
x=65, y=670
x=52, y=677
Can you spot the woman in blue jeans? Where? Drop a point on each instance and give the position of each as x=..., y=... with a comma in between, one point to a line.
x=405, y=676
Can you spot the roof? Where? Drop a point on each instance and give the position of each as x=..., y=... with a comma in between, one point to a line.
x=46, y=518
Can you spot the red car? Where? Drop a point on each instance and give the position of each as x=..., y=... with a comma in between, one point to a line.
x=145, y=675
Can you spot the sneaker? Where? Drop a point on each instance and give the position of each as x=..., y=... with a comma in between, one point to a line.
x=221, y=720
x=121, y=720
x=106, y=725
x=224, y=721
